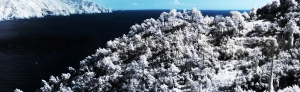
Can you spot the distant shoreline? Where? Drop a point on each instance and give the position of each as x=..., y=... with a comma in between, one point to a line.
x=183, y=9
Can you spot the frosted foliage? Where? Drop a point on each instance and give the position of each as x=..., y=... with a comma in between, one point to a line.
x=173, y=13
x=65, y=76
x=18, y=90
x=174, y=69
x=292, y=27
x=206, y=20
x=186, y=52
x=293, y=2
x=253, y=13
x=195, y=14
x=64, y=88
x=246, y=15
x=53, y=79
x=46, y=87
x=236, y=16
x=293, y=88
x=102, y=51
x=24, y=9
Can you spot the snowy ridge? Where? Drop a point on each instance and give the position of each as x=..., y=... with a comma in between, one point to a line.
x=186, y=51
x=20, y=9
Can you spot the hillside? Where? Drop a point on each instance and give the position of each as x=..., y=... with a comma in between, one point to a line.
x=186, y=51
x=24, y=9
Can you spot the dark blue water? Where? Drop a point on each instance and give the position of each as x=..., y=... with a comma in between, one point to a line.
x=35, y=49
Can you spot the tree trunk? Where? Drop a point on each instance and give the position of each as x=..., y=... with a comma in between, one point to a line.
x=291, y=41
x=256, y=66
x=271, y=79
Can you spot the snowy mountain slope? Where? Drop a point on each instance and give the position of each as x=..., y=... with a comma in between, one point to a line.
x=186, y=51
x=20, y=9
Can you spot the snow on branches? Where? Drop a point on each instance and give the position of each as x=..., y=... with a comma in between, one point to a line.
x=186, y=51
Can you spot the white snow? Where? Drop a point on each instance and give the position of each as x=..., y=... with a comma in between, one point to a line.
x=24, y=9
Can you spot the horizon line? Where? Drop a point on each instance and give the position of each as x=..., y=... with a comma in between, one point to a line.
x=183, y=9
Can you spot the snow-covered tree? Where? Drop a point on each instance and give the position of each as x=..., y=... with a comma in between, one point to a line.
x=188, y=52
x=238, y=20
x=270, y=50
x=196, y=15
x=291, y=29
x=253, y=14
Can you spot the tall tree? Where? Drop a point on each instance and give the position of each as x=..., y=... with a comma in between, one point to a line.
x=291, y=28
x=270, y=49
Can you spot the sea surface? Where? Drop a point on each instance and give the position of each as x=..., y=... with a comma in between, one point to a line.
x=34, y=49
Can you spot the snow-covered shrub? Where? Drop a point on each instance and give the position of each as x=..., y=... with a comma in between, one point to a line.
x=294, y=88
x=18, y=90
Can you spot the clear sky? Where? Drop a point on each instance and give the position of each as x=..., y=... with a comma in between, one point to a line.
x=183, y=4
